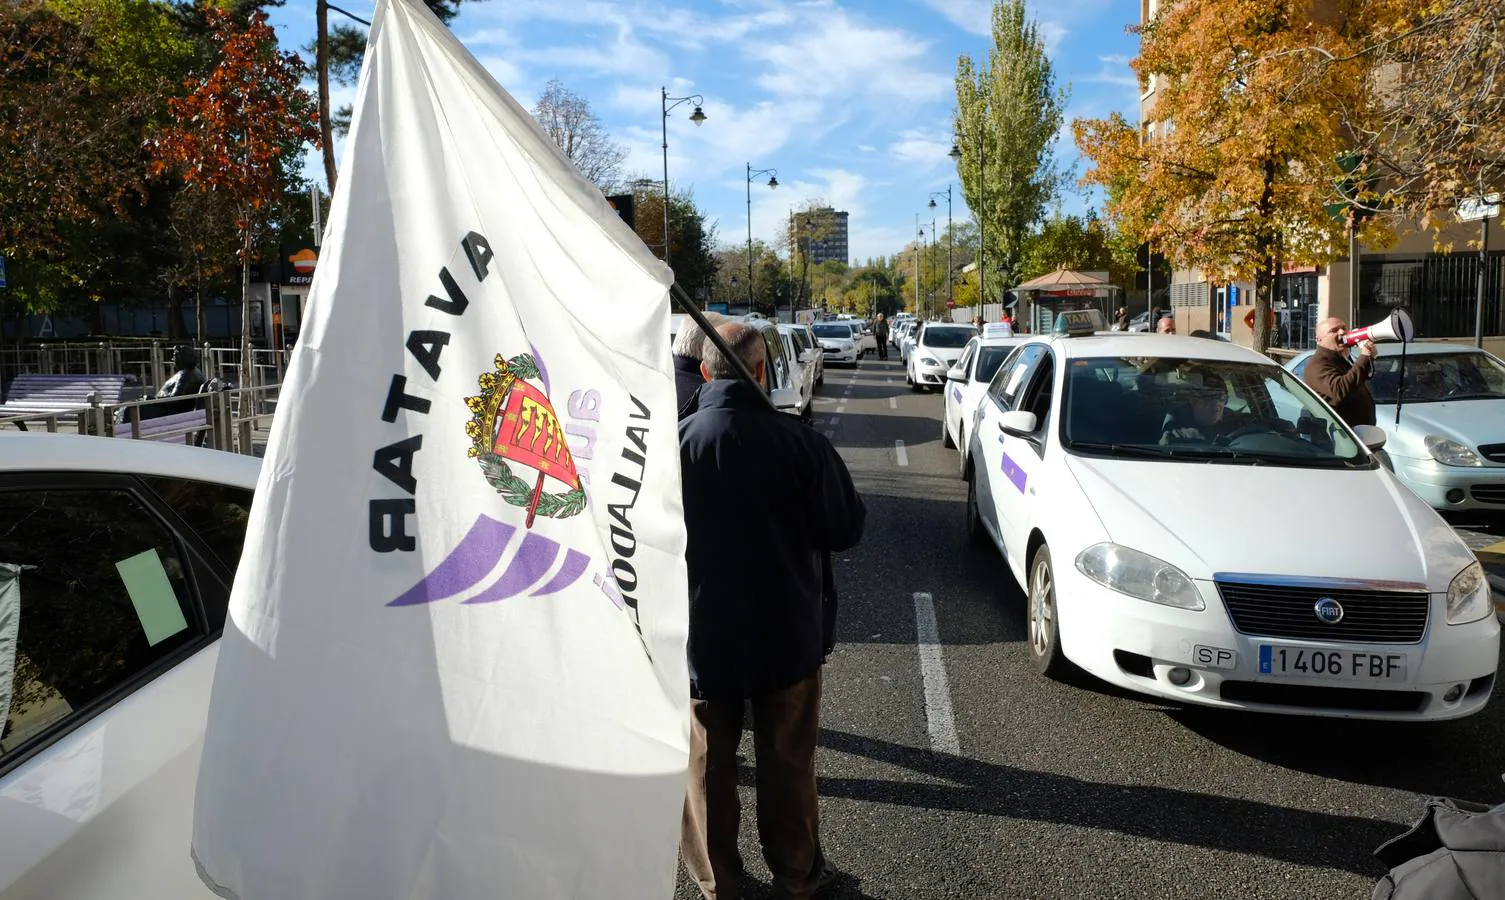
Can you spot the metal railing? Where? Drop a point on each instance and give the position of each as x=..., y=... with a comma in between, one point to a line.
x=149, y=361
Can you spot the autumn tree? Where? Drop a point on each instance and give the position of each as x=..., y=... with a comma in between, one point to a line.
x=693, y=238
x=240, y=131
x=567, y=118
x=1243, y=158
x=1008, y=112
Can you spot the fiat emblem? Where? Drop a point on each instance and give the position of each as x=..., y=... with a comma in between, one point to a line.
x=1329, y=610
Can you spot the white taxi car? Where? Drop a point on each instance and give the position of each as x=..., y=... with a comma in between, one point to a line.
x=936, y=349
x=837, y=342
x=119, y=582
x=968, y=381
x=1181, y=532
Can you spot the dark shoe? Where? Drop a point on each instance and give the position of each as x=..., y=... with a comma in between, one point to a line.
x=825, y=886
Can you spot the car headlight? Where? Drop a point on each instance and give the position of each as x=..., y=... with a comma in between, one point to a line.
x=1449, y=452
x=1139, y=575
x=1469, y=596
x=929, y=361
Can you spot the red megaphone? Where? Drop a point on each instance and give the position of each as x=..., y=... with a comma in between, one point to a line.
x=1395, y=327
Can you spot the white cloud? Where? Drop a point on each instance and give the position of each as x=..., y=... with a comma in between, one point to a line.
x=925, y=148
x=835, y=54
x=867, y=148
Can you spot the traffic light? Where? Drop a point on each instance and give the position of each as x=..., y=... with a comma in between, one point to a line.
x=623, y=204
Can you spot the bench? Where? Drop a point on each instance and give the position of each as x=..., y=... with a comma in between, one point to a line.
x=65, y=395
x=184, y=427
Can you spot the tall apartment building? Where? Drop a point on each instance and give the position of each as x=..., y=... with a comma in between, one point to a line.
x=1438, y=290
x=829, y=229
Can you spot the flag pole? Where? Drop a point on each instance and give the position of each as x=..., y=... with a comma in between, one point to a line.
x=688, y=307
x=533, y=502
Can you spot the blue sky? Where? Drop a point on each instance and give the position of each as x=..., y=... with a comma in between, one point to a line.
x=850, y=101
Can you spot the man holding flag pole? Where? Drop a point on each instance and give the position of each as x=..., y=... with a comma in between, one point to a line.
x=454, y=664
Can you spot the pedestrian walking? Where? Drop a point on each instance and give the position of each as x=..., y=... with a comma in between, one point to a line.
x=780, y=492
x=1343, y=384
x=880, y=334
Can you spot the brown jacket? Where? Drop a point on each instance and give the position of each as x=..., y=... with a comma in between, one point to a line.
x=1342, y=384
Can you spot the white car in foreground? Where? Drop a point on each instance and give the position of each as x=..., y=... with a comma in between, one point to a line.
x=837, y=343
x=935, y=350
x=119, y=581
x=1180, y=533
x=968, y=382
x=801, y=370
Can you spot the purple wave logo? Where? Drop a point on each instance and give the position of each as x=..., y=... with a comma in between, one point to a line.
x=477, y=555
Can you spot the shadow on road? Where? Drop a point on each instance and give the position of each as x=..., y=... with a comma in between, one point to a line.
x=1322, y=840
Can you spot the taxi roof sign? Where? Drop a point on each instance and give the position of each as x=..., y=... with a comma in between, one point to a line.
x=997, y=330
x=1078, y=322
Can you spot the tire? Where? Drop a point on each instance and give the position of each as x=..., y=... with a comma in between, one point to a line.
x=946, y=440
x=975, y=532
x=1044, y=631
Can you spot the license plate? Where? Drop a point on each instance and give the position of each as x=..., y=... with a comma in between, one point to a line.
x=1347, y=664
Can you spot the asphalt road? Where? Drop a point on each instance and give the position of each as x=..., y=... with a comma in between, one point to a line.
x=1063, y=790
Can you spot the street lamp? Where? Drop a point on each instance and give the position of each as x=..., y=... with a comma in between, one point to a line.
x=773, y=183
x=982, y=227
x=698, y=116
x=950, y=239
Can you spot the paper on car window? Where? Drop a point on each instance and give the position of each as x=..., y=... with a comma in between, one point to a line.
x=1015, y=377
x=10, y=623
x=152, y=594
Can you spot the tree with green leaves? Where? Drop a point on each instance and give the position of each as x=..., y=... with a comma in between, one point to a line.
x=1008, y=111
x=694, y=240
x=240, y=131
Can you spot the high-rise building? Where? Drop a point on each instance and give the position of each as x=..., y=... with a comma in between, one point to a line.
x=826, y=230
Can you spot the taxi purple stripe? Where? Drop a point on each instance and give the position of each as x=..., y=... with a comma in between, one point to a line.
x=1014, y=474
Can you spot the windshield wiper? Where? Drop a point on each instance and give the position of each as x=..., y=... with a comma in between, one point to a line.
x=1486, y=395
x=1140, y=450
x=1216, y=454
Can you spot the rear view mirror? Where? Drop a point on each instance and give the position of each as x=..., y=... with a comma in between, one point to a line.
x=809, y=356
x=1017, y=422
x=955, y=374
x=785, y=399
x=1371, y=436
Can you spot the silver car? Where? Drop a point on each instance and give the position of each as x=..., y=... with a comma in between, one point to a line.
x=1449, y=444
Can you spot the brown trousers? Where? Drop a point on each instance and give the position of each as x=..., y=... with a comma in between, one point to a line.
x=785, y=726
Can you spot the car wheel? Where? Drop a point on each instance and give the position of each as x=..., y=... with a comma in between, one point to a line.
x=975, y=532
x=946, y=440
x=1044, y=625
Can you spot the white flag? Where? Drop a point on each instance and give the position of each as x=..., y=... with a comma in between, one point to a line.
x=455, y=666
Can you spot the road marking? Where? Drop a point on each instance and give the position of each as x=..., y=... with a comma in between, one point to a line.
x=939, y=720
x=893, y=403
x=830, y=432
x=1498, y=547
x=834, y=420
x=899, y=451
x=841, y=408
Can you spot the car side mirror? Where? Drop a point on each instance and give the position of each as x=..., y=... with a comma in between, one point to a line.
x=1371, y=436
x=955, y=374
x=1017, y=422
x=809, y=356
x=785, y=399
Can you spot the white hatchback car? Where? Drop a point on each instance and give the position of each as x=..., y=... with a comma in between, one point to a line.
x=969, y=380
x=116, y=559
x=837, y=343
x=1180, y=533
x=936, y=349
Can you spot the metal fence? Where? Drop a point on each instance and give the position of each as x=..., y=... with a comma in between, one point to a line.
x=1439, y=291
x=236, y=420
x=149, y=361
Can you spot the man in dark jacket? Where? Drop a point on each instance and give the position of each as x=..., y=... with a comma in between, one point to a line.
x=688, y=346
x=1344, y=385
x=765, y=498
x=880, y=334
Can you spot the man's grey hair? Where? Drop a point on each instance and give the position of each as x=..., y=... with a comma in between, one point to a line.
x=691, y=340
x=744, y=340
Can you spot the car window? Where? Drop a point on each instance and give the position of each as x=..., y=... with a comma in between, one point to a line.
x=947, y=338
x=988, y=361
x=1433, y=377
x=966, y=359
x=1014, y=375
x=778, y=362
x=832, y=331
x=217, y=513
x=95, y=592
x=1036, y=394
x=1300, y=367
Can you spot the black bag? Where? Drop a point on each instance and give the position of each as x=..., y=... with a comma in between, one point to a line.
x=1455, y=852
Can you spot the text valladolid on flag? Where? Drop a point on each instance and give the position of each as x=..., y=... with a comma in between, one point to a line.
x=455, y=664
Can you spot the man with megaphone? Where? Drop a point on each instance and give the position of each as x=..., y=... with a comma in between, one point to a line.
x=1343, y=384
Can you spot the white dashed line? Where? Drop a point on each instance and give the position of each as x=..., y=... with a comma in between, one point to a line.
x=893, y=403
x=841, y=408
x=899, y=452
x=830, y=432
x=939, y=720
x=834, y=420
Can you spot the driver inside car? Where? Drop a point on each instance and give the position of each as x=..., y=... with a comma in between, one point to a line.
x=1205, y=417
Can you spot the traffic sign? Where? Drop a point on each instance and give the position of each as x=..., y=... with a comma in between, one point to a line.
x=2, y=271
x=1471, y=210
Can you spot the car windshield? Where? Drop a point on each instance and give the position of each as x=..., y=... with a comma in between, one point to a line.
x=1200, y=409
x=948, y=338
x=1434, y=377
x=989, y=360
x=832, y=331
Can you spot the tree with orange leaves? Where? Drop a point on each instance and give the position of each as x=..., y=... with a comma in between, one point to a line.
x=241, y=129
x=1238, y=170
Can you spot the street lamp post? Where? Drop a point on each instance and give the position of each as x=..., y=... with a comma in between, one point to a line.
x=917, y=310
x=773, y=183
x=950, y=239
x=697, y=117
x=982, y=219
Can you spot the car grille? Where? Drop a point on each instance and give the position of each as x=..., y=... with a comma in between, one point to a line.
x=1289, y=611
x=1493, y=452
x=1309, y=697
x=1489, y=493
